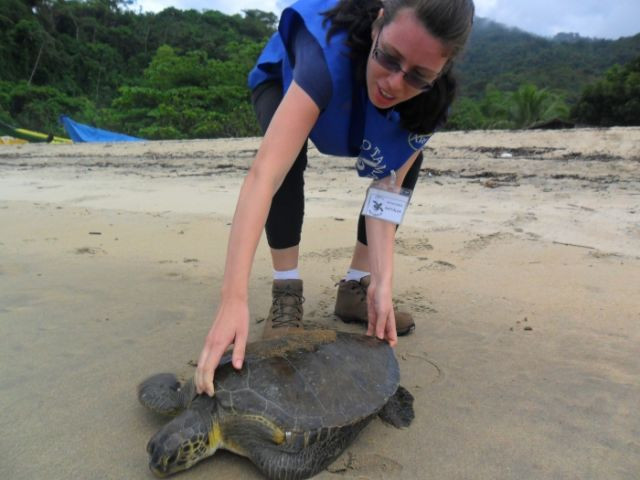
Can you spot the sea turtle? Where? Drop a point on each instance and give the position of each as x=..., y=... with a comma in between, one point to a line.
x=296, y=404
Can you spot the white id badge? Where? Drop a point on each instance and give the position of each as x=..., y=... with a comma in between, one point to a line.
x=388, y=203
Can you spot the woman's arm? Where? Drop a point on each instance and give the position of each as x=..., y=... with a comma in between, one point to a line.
x=380, y=239
x=285, y=136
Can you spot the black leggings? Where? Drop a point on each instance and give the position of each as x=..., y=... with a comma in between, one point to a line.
x=284, y=223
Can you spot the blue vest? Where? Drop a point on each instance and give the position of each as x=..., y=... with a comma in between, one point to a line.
x=350, y=125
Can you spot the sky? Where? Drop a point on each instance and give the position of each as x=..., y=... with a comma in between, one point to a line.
x=590, y=18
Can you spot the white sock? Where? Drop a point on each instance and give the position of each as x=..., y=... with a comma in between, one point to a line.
x=286, y=274
x=353, y=274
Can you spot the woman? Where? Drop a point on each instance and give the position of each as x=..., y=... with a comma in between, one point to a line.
x=361, y=78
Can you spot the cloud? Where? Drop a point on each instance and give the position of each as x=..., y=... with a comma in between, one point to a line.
x=224, y=6
x=589, y=18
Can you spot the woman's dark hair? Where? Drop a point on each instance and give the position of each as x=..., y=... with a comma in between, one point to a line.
x=448, y=20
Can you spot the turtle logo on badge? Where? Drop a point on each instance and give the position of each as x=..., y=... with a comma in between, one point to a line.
x=374, y=205
x=417, y=142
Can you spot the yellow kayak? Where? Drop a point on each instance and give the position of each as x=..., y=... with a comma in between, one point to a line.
x=30, y=135
x=11, y=141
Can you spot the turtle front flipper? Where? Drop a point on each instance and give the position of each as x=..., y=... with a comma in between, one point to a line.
x=281, y=455
x=399, y=409
x=163, y=393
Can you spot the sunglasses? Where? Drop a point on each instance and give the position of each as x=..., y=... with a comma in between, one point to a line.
x=391, y=63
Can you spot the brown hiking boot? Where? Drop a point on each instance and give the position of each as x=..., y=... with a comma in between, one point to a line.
x=286, y=311
x=351, y=306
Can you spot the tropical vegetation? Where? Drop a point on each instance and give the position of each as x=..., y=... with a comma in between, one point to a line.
x=613, y=100
x=182, y=74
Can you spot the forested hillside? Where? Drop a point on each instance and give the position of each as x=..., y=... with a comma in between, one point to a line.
x=513, y=79
x=182, y=74
x=508, y=57
x=131, y=72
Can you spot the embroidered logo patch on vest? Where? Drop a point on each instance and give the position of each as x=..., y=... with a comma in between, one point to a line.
x=417, y=142
x=370, y=162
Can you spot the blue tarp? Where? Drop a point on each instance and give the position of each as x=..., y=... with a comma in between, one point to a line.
x=84, y=133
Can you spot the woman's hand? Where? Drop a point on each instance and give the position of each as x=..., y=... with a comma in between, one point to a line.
x=231, y=326
x=289, y=128
x=381, y=235
x=382, y=321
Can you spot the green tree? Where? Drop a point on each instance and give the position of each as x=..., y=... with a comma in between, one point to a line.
x=522, y=108
x=39, y=107
x=614, y=100
x=530, y=105
x=466, y=115
x=189, y=96
x=490, y=111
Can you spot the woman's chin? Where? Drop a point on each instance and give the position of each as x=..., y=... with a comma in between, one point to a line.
x=379, y=99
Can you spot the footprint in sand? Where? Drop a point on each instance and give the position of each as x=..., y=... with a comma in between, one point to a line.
x=438, y=266
x=483, y=241
x=371, y=465
x=412, y=246
x=177, y=276
x=520, y=219
x=414, y=301
x=330, y=253
x=89, y=251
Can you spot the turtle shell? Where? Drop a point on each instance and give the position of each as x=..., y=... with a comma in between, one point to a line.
x=319, y=379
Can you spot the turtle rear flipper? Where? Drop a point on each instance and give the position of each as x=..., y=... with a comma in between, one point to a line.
x=163, y=393
x=398, y=411
x=281, y=462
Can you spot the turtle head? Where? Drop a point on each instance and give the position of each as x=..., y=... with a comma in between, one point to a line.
x=187, y=439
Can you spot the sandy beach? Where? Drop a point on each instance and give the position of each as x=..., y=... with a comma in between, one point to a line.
x=519, y=259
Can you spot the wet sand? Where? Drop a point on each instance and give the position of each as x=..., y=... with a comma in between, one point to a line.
x=519, y=258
